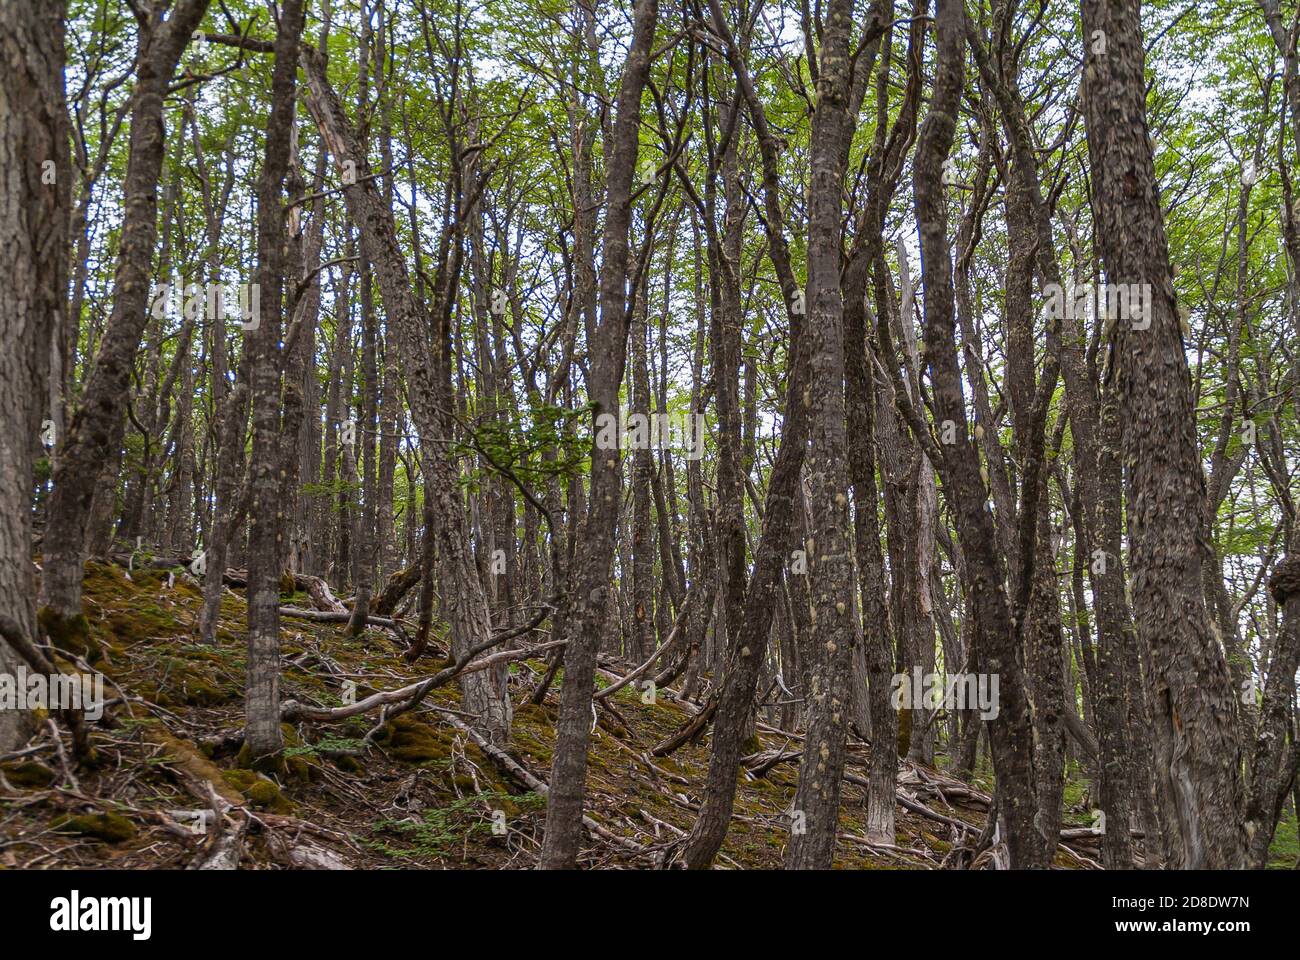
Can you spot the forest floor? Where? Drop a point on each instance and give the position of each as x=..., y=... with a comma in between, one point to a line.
x=423, y=794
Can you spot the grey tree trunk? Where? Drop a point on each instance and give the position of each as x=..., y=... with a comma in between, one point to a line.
x=34, y=210
x=997, y=647
x=1198, y=753
x=464, y=603
x=608, y=353
x=835, y=634
x=267, y=509
x=772, y=554
x=94, y=435
x=367, y=543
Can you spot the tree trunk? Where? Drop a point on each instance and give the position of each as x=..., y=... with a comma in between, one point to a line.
x=835, y=635
x=34, y=208
x=1194, y=713
x=595, y=552
x=262, y=735
x=94, y=435
x=997, y=648
x=464, y=604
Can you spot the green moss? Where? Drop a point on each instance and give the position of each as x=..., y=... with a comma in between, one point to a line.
x=199, y=692
x=29, y=774
x=442, y=830
x=103, y=578
x=934, y=843
x=297, y=767
x=273, y=763
x=615, y=728
x=536, y=749
x=534, y=712
x=70, y=634
x=153, y=693
x=348, y=764
x=262, y=793
x=185, y=755
x=174, y=680
x=1284, y=851
x=141, y=623
x=303, y=769
x=241, y=780
x=258, y=791
x=108, y=827
x=148, y=578
x=412, y=741
x=299, y=762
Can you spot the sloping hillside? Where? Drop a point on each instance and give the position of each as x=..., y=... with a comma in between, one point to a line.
x=422, y=793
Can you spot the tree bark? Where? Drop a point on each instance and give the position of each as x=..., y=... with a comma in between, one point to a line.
x=835, y=634
x=608, y=352
x=266, y=516
x=95, y=433
x=1193, y=710
x=34, y=210
x=997, y=647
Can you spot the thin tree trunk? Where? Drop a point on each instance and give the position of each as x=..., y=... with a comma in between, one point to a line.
x=267, y=509
x=835, y=634
x=95, y=433
x=997, y=648
x=608, y=353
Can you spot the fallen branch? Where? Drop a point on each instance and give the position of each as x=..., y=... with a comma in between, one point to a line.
x=343, y=616
x=694, y=728
x=673, y=635
x=398, y=585
x=517, y=772
x=317, y=589
x=292, y=710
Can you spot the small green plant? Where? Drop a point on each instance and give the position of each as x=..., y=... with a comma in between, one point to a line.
x=328, y=745
x=440, y=829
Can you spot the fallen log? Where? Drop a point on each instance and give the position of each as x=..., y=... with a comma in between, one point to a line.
x=671, y=640
x=398, y=585
x=322, y=597
x=317, y=589
x=292, y=710
x=331, y=616
x=694, y=728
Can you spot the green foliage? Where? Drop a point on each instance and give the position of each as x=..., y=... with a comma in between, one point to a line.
x=534, y=448
x=438, y=830
x=326, y=745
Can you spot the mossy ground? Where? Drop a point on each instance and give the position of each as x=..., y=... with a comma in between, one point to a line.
x=422, y=795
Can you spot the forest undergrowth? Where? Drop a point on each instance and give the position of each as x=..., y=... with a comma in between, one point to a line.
x=422, y=792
